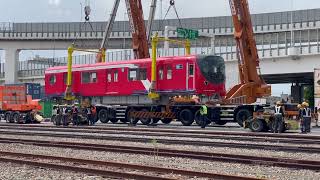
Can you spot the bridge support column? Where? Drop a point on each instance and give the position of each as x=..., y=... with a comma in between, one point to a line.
x=296, y=93
x=11, y=65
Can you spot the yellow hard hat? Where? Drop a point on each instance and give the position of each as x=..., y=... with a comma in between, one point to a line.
x=299, y=106
x=307, y=104
x=304, y=104
x=278, y=102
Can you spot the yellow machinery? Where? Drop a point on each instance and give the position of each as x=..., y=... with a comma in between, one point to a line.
x=152, y=92
x=68, y=93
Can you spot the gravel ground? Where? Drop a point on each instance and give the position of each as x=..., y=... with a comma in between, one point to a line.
x=195, y=165
x=11, y=171
x=173, y=138
x=257, y=152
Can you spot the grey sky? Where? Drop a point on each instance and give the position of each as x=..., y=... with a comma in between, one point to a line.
x=70, y=10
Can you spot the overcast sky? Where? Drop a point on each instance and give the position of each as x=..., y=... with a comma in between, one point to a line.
x=70, y=10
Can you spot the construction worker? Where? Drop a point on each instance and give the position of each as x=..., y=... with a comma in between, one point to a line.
x=318, y=116
x=203, y=115
x=306, y=118
x=74, y=112
x=300, y=116
x=91, y=111
x=59, y=116
x=65, y=115
x=279, y=114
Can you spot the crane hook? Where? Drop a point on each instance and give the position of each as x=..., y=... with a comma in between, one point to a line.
x=87, y=11
x=171, y=2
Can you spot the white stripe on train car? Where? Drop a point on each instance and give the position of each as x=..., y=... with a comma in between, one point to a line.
x=147, y=84
x=76, y=69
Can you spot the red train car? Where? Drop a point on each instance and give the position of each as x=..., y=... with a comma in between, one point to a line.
x=198, y=75
x=128, y=82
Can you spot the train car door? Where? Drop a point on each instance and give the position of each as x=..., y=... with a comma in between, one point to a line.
x=190, y=79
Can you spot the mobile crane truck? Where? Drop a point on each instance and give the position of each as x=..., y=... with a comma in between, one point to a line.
x=18, y=107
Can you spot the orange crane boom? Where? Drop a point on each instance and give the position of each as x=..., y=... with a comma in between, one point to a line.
x=138, y=29
x=251, y=85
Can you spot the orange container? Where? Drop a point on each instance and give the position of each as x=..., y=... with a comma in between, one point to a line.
x=14, y=98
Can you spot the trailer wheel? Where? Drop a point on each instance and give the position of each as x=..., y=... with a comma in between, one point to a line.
x=114, y=120
x=256, y=125
x=145, y=121
x=186, y=117
x=221, y=122
x=16, y=117
x=197, y=117
x=166, y=120
x=242, y=115
x=129, y=119
x=8, y=117
x=103, y=116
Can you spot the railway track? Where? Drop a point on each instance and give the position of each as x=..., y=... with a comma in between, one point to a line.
x=207, y=156
x=169, y=134
x=168, y=141
x=118, y=170
x=177, y=131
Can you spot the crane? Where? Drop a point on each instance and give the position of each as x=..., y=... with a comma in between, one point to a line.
x=140, y=36
x=251, y=84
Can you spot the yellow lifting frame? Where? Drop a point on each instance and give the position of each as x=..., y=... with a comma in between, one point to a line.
x=153, y=95
x=68, y=94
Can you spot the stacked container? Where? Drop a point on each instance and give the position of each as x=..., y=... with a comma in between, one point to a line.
x=33, y=89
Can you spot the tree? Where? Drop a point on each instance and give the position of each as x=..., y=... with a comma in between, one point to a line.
x=308, y=95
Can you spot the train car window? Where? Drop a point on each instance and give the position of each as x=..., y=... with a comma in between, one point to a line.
x=115, y=76
x=161, y=73
x=169, y=72
x=52, y=79
x=142, y=74
x=93, y=77
x=109, y=76
x=88, y=77
x=85, y=77
x=191, y=69
x=179, y=66
x=133, y=74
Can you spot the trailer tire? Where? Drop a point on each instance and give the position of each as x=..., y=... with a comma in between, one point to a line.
x=257, y=125
x=166, y=120
x=221, y=123
x=129, y=119
x=186, y=117
x=242, y=115
x=114, y=120
x=197, y=117
x=145, y=121
x=7, y=117
x=103, y=116
x=15, y=117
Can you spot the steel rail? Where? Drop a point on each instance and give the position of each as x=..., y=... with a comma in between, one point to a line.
x=171, y=141
x=124, y=166
x=207, y=156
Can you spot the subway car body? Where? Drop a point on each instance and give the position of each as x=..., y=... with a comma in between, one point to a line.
x=127, y=81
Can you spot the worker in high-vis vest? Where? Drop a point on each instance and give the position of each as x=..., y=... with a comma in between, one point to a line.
x=279, y=114
x=306, y=113
x=203, y=115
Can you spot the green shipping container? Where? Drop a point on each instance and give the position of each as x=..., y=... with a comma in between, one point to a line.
x=46, y=108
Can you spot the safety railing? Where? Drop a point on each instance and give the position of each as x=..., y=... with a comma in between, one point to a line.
x=223, y=24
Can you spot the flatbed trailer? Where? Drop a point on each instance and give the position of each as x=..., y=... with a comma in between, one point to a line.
x=187, y=114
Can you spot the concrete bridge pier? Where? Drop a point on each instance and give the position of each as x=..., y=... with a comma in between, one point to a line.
x=297, y=92
x=11, y=65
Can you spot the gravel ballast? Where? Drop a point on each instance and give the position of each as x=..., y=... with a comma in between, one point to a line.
x=182, y=163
